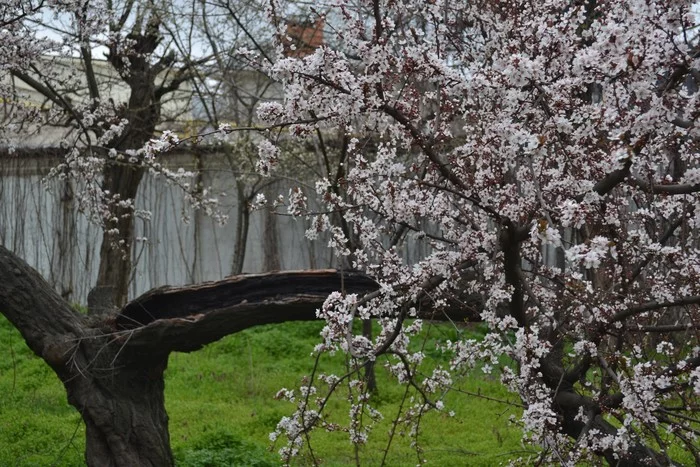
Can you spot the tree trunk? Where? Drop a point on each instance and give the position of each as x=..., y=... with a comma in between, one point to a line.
x=65, y=239
x=118, y=391
x=115, y=253
x=122, y=179
x=370, y=376
x=271, y=251
x=243, y=220
x=124, y=412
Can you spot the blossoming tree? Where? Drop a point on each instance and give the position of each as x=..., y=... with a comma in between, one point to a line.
x=546, y=154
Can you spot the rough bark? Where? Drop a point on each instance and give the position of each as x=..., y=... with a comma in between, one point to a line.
x=187, y=318
x=122, y=403
x=370, y=376
x=271, y=250
x=123, y=181
x=46, y=321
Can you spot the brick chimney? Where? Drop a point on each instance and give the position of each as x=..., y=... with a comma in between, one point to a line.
x=303, y=37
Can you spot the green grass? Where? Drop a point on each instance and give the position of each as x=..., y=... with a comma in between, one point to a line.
x=222, y=408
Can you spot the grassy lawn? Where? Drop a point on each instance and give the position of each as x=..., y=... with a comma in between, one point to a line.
x=222, y=407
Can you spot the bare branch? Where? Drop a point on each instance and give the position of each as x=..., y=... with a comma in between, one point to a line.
x=654, y=305
x=675, y=189
x=45, y=320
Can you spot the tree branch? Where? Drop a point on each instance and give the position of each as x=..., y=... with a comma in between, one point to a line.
x=89, y=72
x=662, y=241
x=675, y=189
x=45, y=320
x=654, y=305
x=610, y=181
x=43, y=90
x=187, y=318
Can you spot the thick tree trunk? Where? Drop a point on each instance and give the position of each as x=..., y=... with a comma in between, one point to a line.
x=118, y=391
x=65, y=239
x=122, y=179
x=115, y=253
x=124, y=412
